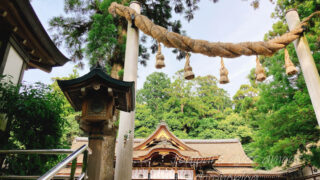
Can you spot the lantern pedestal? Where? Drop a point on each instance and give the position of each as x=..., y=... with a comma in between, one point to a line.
x=101, y=161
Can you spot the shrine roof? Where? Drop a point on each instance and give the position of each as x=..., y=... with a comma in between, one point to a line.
x=162, y=132
x=29, y=36
x=229, y=151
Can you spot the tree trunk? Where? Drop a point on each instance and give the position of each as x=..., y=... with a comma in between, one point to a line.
x=115, y=70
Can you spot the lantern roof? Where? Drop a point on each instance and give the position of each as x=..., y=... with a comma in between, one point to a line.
x=122, y=91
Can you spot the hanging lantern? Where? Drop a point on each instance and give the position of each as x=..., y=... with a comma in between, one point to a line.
x=290, y=68
x=159, y=58
x=223, y=73
x=188, y=74
x=260, y=73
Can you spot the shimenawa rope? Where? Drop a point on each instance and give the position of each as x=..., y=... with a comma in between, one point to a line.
x=228, y=50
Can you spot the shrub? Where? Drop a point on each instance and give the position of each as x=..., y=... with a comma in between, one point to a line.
x=34, y=121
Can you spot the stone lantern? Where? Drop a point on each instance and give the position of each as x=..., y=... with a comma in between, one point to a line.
x=98, y=95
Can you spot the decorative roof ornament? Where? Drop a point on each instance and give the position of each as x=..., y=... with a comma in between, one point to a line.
x=99, y=65
x=260, y=72
x=290, y=68
x=159, y=58
x=223, y=73
x=188, y=74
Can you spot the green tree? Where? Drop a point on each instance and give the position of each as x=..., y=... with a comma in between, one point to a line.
x=89, y=30
x=244, y=102
x=71, y=128
x=232, y=126
x=192, y=109
x=34, y=122
x=153, y=92
x=150, y=100
x=287, y=123
x=180, y=113
x=245, y=98
x=145, y=121
x=213, y=97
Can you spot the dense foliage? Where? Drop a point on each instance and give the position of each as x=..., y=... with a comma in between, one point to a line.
x=286, y=119
x=192, y=109
x=33, y=122
x=71, y=128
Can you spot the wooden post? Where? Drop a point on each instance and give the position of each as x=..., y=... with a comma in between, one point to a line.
x=306, y=60
x=124, y=147
x=149, y=172
x=175, y=172
x=102, y=158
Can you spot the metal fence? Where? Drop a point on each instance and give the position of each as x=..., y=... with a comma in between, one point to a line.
x=52, y=173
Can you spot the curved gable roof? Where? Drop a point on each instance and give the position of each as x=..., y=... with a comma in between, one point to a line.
x=162, y=131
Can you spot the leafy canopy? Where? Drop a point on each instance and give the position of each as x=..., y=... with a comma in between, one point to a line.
x=34, y=121
x=89, y=30
x=192, y=109
x=285, y=116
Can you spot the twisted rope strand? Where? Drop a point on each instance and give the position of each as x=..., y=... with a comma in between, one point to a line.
x=212, y=49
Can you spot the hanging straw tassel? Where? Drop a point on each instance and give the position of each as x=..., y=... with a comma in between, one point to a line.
x=260, y=73
x=223, y=73
x=188, y=74
x=290, y=68
x=159, y=58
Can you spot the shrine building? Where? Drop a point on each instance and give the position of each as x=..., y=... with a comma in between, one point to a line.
x=164, y=156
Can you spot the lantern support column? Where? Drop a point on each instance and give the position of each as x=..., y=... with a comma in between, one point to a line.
x=123, y=170
x=306, y=60
x=97, y=95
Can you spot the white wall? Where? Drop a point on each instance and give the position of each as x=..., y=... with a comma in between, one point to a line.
x=13, y=66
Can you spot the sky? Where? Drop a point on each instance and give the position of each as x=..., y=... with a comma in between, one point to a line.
x=225, y=21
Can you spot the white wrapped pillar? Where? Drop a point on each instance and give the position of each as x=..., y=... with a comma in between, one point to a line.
x=306, y=60
x=123, y=170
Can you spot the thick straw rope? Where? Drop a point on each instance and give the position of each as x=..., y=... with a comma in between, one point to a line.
x=229, y=50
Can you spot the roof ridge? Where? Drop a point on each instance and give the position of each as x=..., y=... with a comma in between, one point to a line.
x=184, y=140
x=212, y=140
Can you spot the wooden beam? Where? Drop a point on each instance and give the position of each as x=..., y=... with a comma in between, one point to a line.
x=309, y=69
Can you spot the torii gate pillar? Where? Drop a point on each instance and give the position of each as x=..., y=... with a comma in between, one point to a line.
x=124, y=146
x=306, y=60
